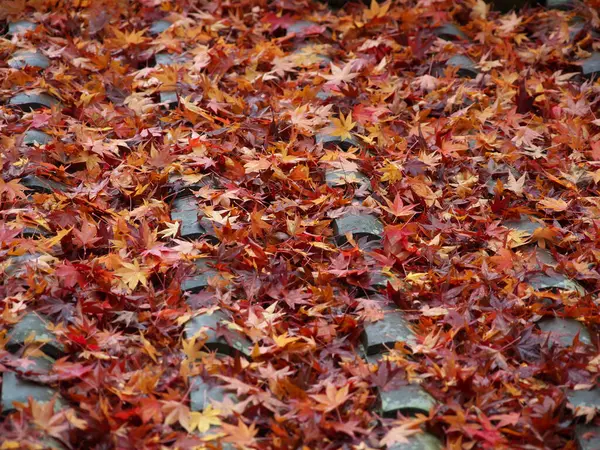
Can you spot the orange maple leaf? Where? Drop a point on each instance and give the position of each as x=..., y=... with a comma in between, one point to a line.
x=332, y=399
x=241, y=434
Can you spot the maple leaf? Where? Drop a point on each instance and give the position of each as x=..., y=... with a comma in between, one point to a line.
x=555, y=204
x=171, y=230
x=220, y=217
x=340, y=75
x=397, y=208
x=525, y=136
x=139, y=103
x=349, y=427
x=281, y=66
x=515, y=185
x=364, y=113
x=424, y=191
x=258, y=224
x=60, y=235
x=299, y=117
x=376, y=10
x=40, y=120
x=177, y=412
x=132, y=274
x=124, y=39
x=333, y=397
x=44, y=417
x=342, y=127
x=203, y=421
x=69, y=274
x=278, y=21
x=241, y=434
x=400, y=433
x=581, y=108
x=74, y=420
x=305, y=117
x=257, y=165
x=509, y=23
x=149, y=348
x=392, y=172
x=151, y=409
x=87, y=235
x=426, y=83
x=68, y=370
x=480, y=9
x=12, y=190
x=282, y=340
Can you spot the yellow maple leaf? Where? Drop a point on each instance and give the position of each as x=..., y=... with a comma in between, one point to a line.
x=343, y=126
x=187, y=103
x=257, y=165
x=202, y=421
x=51, y=242
x=167, y=77
x=282, y=340
x=419, y=278
x=480, y=10
x=132, y=274
x=424, y=191
x=555, y=204
x=332, y=398
x=323, y=246
x=517, y=238
x=139, y=103
x=125, y=39
x=172, y=229
x=392, y=172
x=192, y=348
x=376, y=11
x=434, y=312
x=149, y=348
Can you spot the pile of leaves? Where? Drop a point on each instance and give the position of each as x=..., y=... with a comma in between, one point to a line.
x=449, y=160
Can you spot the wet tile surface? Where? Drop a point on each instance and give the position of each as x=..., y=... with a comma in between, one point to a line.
x=591, y=66
x=450, y=32
x=23, y=58
x=16, y=388
x=563, y=331
x=43, y=185
x=32, y=137
x=209, y=324
x=328, y=139
x=33, y=100
x=200, y=279
x=466, y=66
x=21, y=26
x=193, y=225
x=384, y=333
x=585, y=399
x=34, y=327
x=203, y=393
x=159, y=26
x=409, y=399
x=421, y=441
x=587, y=437
x=359, y=226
